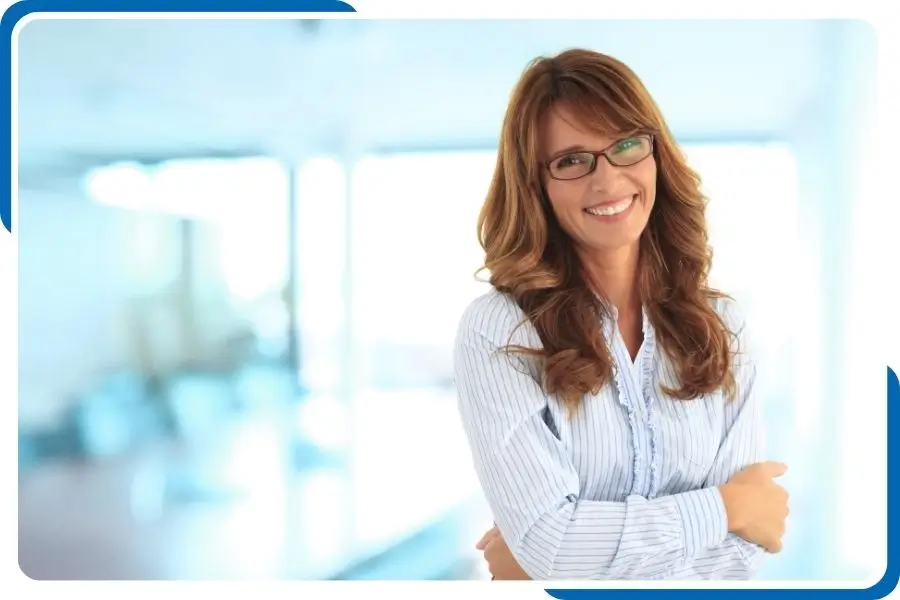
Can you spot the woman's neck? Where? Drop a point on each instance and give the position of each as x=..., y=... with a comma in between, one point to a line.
x=614, y=275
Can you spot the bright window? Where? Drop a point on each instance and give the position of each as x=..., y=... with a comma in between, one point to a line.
x=321, y=223
x=245, y=201
x=758, y=258
x=414, y=256
x=238, y=247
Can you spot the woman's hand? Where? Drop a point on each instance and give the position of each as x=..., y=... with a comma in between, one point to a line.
x=756, y=506
x=501, y=563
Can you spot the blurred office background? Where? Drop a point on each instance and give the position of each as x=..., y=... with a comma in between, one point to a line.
x=245, y=245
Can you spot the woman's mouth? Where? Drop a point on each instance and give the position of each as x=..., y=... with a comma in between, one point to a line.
x=612, y=209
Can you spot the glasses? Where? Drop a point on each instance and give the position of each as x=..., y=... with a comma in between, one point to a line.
x=624, y=153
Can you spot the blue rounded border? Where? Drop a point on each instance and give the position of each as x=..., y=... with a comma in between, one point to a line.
x=20, y=9
x=885, y=585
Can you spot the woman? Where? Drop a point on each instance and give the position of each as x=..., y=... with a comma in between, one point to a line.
x=605, y=388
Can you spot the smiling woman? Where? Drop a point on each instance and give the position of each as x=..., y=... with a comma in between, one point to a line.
x=607, y=390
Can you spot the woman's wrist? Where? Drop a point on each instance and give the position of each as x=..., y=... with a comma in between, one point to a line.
x=731, y=499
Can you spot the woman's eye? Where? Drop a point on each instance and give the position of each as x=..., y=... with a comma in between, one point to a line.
x=628, y=144
x=569, y=161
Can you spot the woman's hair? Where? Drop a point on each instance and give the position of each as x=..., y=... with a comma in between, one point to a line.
x=532, y=259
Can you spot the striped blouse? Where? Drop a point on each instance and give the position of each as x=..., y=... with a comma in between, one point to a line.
x=623, y=488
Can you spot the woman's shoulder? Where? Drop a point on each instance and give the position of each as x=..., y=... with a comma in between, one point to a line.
x=494, y=315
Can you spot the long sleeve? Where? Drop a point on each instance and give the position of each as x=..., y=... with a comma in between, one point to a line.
x=532, y=485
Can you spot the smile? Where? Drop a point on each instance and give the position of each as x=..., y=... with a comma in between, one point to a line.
x=611, y=209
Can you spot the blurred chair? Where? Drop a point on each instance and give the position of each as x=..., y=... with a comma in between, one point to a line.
x=113, y=418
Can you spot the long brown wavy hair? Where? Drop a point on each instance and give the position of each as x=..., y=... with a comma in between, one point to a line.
x=532, y=259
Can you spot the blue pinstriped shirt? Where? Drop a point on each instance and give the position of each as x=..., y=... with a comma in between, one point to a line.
x=623, y=488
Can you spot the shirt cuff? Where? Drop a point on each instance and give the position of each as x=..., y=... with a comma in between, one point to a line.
x=704, y=522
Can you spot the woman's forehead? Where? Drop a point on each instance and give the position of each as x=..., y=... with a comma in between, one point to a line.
x=562, y=129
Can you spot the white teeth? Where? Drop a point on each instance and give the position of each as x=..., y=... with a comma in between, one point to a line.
x=610, y=209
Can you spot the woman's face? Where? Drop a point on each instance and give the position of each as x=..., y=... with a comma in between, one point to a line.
x=607, y=209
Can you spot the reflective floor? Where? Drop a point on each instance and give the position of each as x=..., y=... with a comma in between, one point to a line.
x=249, y=498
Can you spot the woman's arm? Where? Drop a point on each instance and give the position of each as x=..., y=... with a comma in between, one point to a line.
x=742, y=445
x=533, y=489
